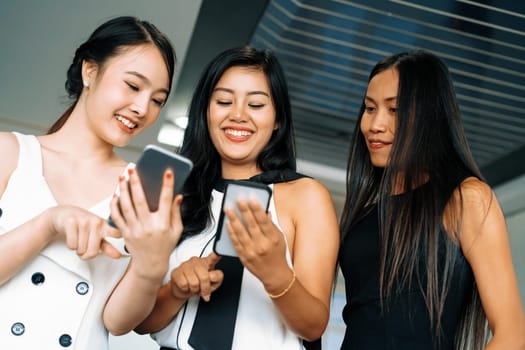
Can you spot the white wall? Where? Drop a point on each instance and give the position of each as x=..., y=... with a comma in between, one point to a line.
x=511, y=196
x=516, y=225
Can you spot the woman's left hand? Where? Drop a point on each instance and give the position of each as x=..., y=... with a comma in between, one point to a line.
x=258, y=242
x=150, y=236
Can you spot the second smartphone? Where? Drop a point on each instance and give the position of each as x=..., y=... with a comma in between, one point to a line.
x=234, y=190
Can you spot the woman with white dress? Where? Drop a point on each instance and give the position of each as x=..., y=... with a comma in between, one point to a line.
x=62, y=285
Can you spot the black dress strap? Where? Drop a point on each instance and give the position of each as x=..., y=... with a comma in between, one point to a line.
x=277, y=176
x=215, y=320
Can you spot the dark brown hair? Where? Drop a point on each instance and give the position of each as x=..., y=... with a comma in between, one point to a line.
x=107, y=41
x=429, y=147
x=278, y=154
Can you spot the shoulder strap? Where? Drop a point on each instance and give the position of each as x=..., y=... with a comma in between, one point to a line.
x=276, y=176
x=29, y=153
x=268, y=177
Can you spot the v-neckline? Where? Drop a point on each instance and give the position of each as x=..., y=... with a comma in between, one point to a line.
x=92, y=208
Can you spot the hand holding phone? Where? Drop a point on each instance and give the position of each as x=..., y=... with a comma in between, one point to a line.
x=151, y=165
x=235, y=190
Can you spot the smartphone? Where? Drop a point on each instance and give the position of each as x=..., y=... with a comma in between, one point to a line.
x=151, y=165
x=235, y=190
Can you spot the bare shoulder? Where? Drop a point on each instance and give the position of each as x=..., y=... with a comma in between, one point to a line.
x=473, y=188
x=476, y=195
x=303, y=189
x=307, y=214
x=482, y=217
x=9, y=144
x=305, y=195
x=8, y=139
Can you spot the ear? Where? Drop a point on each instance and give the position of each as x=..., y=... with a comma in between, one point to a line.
x=276, y=126
x=89, y=71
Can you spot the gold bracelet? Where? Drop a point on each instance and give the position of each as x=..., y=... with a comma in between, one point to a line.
x=275, y=296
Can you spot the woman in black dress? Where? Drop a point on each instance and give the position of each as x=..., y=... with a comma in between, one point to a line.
x=425, y=252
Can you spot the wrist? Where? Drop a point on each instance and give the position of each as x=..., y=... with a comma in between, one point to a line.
x=283, y=287
x=46, y=221
x=154, y=275
x=175, y=295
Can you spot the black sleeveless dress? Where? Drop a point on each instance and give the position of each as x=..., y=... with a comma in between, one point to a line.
x=403, y=321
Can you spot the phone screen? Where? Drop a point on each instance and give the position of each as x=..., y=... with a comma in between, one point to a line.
x=233, y=191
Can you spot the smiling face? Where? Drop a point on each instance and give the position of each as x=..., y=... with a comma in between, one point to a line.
x=241, y=119
x=378, y=122
x=126, y=94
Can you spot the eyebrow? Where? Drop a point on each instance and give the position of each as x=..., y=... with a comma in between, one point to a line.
x=144, y=78
x=256, y=92
x=388, y=99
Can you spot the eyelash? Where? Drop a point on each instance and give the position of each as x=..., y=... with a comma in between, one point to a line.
x=158, y=102
x=133, y=87
x=252, y=105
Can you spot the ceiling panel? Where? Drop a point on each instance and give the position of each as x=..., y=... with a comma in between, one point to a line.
x=328, y=48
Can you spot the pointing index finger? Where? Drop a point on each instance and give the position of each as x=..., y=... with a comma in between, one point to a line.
x=212, y=260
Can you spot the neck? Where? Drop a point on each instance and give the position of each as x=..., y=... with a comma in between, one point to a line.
x=239, y=172
x=69, y=141
x=398, y=185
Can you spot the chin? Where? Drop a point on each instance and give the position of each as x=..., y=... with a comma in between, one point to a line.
x=378, y=163
x=120, y=141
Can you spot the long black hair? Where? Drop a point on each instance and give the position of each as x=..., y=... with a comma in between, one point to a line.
x=109, y=40
x=278, y=154
x=429, y=147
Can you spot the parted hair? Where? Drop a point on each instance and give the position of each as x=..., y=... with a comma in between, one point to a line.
x=108, y=40
x=278, y=154
x=429, y=147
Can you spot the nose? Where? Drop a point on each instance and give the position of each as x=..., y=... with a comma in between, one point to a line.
x=379, y=121
x=237, y=112
x=140, y=105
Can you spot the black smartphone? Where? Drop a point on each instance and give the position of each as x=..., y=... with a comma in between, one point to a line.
x=234, y=190
x=151, y=165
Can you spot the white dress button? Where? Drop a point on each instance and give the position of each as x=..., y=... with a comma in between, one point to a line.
x=18, y=328
x=65, y=340
x=82, y=288
x=38, y=278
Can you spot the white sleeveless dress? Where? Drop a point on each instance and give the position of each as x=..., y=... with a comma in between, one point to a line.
x=258, y=324
x=56, y=300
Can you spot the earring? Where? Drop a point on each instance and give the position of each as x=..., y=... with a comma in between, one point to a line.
x=86, y=83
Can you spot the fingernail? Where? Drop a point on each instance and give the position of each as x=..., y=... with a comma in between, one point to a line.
x=121, y=178
x=169, y=174
x=131, y=171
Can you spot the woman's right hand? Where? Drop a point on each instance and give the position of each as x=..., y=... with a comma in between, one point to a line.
x=196, y=276
x=82, y=230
